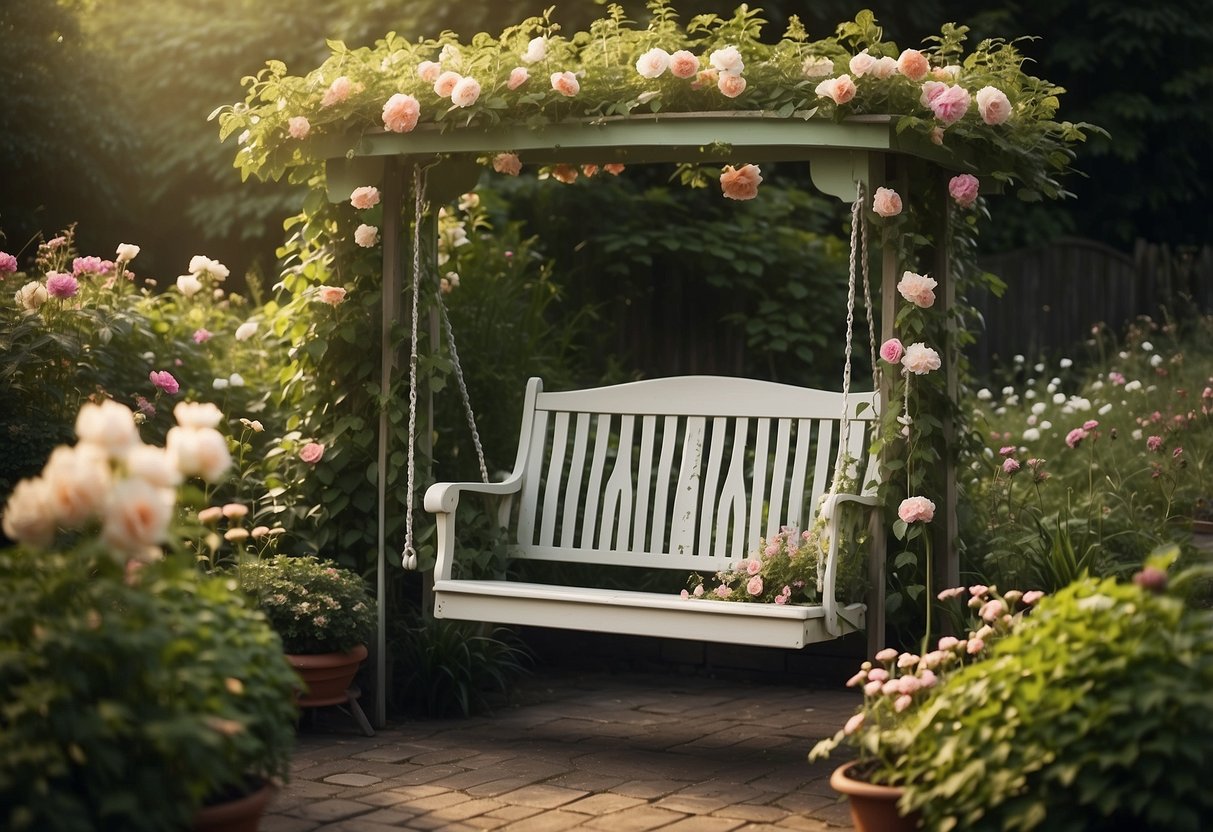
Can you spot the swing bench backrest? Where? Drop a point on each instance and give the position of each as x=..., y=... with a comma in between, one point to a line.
x=684, y=474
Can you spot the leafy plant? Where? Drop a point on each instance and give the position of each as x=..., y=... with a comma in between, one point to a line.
x=314, y=605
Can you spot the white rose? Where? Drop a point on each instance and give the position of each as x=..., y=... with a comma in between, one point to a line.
x=31, y=296
x=536, y=51
x=236, y=380
x=204, y=265
x=861, y=64
x=189, y=285
x=77, y=480
x=653, y=63
x=727, y=61
x=199, y=451
x=28, y=517
x=137, y=515
x=219, y=384
x=884, y=67
x=154, y=465
x=109, y=426
x=197, y=414
x=366, y=235
x=246, y=330
x=127, y=252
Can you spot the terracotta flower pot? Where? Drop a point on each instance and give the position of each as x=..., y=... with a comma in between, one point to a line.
x=873, y=807
x=327, y=675
x=242, y=814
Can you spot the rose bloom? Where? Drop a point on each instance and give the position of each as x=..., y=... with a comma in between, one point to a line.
x=918, y=289
x=683, y=64
x=731, y=85
x=62, y=286
x=31, y=296
x=653, y=63
x=892, y=350
x=77, y=480
x=507, y=163
x=108, y=425
x=465, y=92
x=565, y=173
x=311, y=453
x=332, y=295
x=920, y=359
x=197, y=414
x=127, y=252
x=28, y=516
x=429, y=71
x=366, y=235
x=364, y=197
x=993, y=105
x=200, y=264
x=400, y=113
x=199, y=451
x=964, y=188
x=740, y=183
x=518, y=77
x=950, y=104
x=885, y=67
x=445, y=83
x=136, y=515
x=8, y=263
x=915, y=509
x=840, y=90
x=337, y=92
x=861, y=63
x=189, y=285
x=298, y=127
x=164, y=380
x=147, y=462
x=913, y=64
x=886, y=202
x=754, y=586
x=727, y=60
x=536, y=51
x=565, y=83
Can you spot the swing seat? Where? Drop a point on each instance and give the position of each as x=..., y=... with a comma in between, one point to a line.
x=683, y=474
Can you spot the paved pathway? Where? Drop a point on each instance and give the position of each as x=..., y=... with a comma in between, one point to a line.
x=612, y=753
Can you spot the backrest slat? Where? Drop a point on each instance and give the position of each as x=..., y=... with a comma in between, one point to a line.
x=711, y=483
x=732, y=505
x=686, y=493
x=617, y=498
x=779, y=475
x=572, y=492
x=530, y=490
x=602, y=436
x=661, y=488
x=799, y=464
x=644, y=476
x=758, y=484
x=825, y=459
x=551, y=492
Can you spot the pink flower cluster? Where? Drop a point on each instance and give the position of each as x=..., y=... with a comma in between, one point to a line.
x=782, y=571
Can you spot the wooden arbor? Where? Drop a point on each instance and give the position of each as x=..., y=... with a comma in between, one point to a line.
x=863, y=150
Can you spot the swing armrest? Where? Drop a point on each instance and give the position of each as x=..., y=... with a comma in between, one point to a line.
x=443, y=497
x=828, y=600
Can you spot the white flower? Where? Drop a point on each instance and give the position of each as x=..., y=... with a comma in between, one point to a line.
x=1155, y=360
x=1040, y=368
x=246, y=330
x=199, y=451
x=1136, y=435
x=1058, y=398
x=1065, y=363
x=1029, y=394
x=77, y=480
x=219, y=384
x=653, y=63
x=1031, y=435
x=127, y=252
x=1012, y=400
x=1105, y=410
x=1019, y=359
x=1097, y=384
x=236, y=380
x=197, y=415
x=366, y=235
x=200, y=265
x=1007, y=391
x=1132, y=386
x=28, y=516
x=189, y=285
x=31, y=296
x=1046, y=425
x=727, y=61
x=536, y=51
x=137, y=515
x=1147, y=346
x=1051, y=388
x=108, y=425
x=984, y=395
x=147, y=462
x=1039, y=408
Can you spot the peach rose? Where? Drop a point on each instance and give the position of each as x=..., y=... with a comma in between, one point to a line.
x=920, y=359
x=445, y=83
x=400, y=113
x=918, y=289
x=338, y=91
x=298, y=127
x=886, y=202
x=429, y=71
x=147, y=462
x=197, y=414
x=614, y=168
x=964, y=188
x=565, y=83
x=993, y=105
x=77, y=480
x=332, y=295
x=740, y=183
x=913, y=64
x=465, y=92
x=518, y=76
x=653, y=63
x=365, y=197
x=28, y=516
x=915, y=509
x=507, y=163
x=366, y=235
x=199, y=451
x=840, y=90
x=136, y=516
x=683, y=64
x=109, y=425
x=311, y=453
x=731, y=85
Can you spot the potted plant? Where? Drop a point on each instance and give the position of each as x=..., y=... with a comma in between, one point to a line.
x=323, y=613
x=136, y=690
x=897, y=687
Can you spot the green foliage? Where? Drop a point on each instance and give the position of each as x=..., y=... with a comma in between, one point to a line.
x=1095, y=714
x=314, y=605
x=447, y=668
x=129, y=699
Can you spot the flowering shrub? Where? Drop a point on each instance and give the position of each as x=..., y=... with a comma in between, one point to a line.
x=784, y=570
x=314, y=605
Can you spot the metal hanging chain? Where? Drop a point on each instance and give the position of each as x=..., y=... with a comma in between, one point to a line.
x=867, y=304
x=463, y=389
x=857, y=221
x=409, y=556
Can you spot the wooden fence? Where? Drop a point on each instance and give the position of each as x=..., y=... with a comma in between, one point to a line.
x=1057, y=292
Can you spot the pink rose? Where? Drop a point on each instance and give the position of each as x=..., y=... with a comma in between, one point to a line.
x=136, y=516
x=518, y=76
x=930, y=91
x=565, y=83
x=337, y=92
x=892, y=350
x=918, y=289
x=993, y=105
x=723, y=591
x=8, y=263
x=861, y=63
x=62, y=286
x=400, y=113
x=683, y=64
x=653, y=63
x=920, y=359
x=950, y=105
x=298, y=127
x=311, y=453
x=913, y=64
x=365, y=197
x=465, y=92
x=964, y=189
x=332, y=295
x=730, y=85
x=740, y=183
x=164, y=380
x=445, y=83
x=915, y=509
x=1010, y=466
x=840, y=90
x=753, y=567
x=507, y=163
x=428, y=71
x=886, y=202
x=754, y=587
